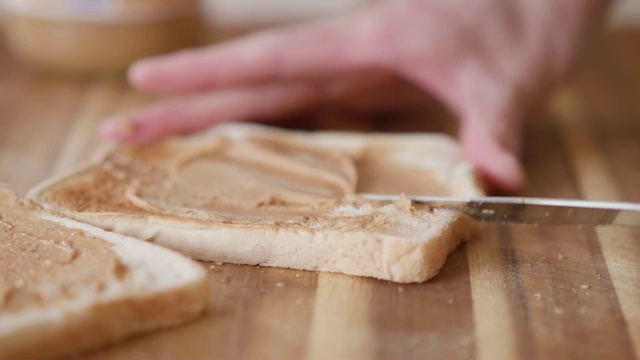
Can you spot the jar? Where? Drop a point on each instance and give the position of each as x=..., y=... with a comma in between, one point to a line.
x=98, y=36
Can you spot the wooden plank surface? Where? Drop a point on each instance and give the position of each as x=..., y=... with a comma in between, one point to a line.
x=516, y=292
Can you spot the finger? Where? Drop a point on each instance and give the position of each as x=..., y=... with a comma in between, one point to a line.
x=497, y=163
x=324, y=47
x=490, y=108
x=197, y=112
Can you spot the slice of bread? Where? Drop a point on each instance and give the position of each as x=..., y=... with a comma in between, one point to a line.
x=68, y=287
x=250, y=194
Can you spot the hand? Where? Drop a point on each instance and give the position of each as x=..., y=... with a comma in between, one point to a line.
x=490, y=61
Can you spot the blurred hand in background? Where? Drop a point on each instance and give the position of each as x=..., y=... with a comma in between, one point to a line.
x=490, y=61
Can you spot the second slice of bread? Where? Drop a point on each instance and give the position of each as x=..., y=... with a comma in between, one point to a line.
x=257, y=195
x=58, y=299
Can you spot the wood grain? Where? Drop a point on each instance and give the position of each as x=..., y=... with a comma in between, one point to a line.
x=596, y=181
x=516, y=292
x=495, y=325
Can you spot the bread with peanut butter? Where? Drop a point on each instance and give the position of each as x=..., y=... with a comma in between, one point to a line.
x=250, y=194
x=68, y=287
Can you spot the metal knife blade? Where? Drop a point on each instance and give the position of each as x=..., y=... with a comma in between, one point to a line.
x=541, y=211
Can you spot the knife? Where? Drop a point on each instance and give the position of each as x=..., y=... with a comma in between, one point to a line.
x=523, y=210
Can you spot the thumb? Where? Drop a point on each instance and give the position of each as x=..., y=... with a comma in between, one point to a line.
x=494, y=153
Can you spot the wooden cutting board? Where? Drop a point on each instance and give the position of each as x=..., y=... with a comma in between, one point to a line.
x=517, y=292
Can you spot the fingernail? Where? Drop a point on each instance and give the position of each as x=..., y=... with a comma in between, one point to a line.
x=119, y=128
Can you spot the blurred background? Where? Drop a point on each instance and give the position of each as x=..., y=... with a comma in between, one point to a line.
x=103, y=36
x=625, y=13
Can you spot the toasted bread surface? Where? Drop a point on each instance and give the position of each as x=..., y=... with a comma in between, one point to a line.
x=255, y=195
x=68, y=287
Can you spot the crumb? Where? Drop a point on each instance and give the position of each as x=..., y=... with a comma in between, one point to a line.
x=298, y=275
x=465, y=340
x=450, y=301
x=400, y=289
x=464, y=353
x=414, y=340
x=558, y=310
x=280, y=284
x=562, y=256
x=537, y=296
x=212, y=267
x=584, y=286
x=218, y=263
x=583, y=310
x=403, y=203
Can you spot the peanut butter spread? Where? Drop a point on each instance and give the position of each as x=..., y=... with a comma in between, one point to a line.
x=42, y=262
x=253, y=180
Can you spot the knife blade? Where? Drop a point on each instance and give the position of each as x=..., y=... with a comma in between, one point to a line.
x=526, y=210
